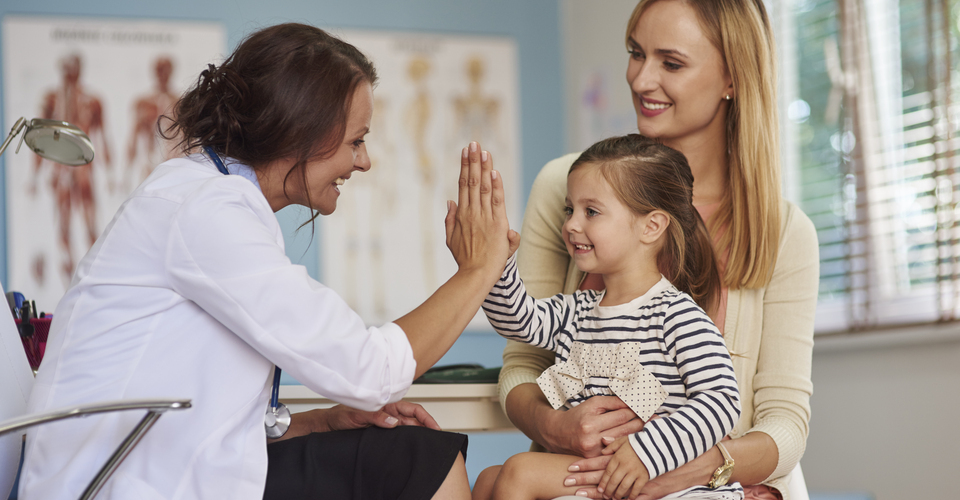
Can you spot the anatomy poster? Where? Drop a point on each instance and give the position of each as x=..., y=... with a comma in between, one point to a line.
x=384, y=249
x=113, y=78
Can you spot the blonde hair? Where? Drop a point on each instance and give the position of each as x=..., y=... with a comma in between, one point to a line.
x=750, y=210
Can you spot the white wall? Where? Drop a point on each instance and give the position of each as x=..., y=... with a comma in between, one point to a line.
x=593, y=46
x=885, y=408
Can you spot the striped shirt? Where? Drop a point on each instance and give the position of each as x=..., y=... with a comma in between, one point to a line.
x=678, y=343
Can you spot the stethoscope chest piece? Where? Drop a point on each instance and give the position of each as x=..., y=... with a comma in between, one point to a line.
x=277, y=421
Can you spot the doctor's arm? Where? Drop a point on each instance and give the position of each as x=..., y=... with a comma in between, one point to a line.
x=479, y=236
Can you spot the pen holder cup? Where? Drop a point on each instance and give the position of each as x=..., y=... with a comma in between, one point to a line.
x=36, y=344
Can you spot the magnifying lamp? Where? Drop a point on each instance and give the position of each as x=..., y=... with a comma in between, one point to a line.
x=54, y=140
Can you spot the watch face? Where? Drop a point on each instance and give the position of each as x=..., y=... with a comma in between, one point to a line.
x=725, y=476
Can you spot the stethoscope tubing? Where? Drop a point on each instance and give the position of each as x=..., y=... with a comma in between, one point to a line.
x=275, y=394
x=275, y=406
x=216, y=160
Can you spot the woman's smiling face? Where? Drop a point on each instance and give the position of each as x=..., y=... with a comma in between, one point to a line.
x=678, y=78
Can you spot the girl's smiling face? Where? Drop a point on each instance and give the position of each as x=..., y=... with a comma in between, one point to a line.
x=601, y=233
x=678, y=78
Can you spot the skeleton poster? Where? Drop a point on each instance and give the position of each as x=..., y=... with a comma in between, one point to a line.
x=113, y=78
x=384, y=249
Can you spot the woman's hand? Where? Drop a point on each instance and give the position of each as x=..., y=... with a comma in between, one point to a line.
x=589, y=471
x=683, y=477
x=697, y=472
x=586, y=428
x=477, y=231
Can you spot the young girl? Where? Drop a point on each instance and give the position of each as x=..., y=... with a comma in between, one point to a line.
x=629, y=218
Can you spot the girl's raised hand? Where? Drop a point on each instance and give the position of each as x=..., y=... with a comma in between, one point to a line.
x=477, y=230
x=625, y=474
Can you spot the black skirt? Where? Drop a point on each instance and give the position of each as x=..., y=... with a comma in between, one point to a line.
x=404, y=463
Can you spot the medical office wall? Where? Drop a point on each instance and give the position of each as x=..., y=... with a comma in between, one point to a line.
x=385, y=251
x=531, y=28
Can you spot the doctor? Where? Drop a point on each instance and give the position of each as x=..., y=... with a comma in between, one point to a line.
x=188, y=294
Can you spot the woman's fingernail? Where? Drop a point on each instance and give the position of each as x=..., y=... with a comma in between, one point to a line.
x=464, y=152
x=581, y=493
x=494, y=174
x=449, y=206
x=391, y=420
x=573, y=468
x=607, y=440
x=484, y=155
x=473, y=147
x=569, y=481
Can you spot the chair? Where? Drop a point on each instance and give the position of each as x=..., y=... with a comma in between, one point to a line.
x=16, y=381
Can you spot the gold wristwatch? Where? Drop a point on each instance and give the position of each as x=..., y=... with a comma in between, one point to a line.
x=723, y=473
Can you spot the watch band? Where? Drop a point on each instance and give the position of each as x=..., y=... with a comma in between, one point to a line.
x=725, y=453
x=722, y=475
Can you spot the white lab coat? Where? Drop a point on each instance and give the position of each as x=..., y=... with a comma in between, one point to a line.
x=189, y=294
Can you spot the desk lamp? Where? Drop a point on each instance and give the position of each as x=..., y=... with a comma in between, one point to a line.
x=54, y=140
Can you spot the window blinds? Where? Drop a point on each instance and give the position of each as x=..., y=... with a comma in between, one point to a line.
x=871, y=143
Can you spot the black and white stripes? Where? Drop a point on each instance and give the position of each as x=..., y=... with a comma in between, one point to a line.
x=678, y=343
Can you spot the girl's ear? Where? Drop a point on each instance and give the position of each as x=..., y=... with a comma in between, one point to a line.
x=654, y=225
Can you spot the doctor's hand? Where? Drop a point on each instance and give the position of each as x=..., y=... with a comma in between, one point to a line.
x=478, y=233
x=392, y=415
x=406, y=413
x=341, y=417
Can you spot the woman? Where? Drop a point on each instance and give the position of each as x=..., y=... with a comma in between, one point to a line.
x=188, y=294
x=702, y=76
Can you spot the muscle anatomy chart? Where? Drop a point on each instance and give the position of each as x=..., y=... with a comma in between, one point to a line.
x=113, y=78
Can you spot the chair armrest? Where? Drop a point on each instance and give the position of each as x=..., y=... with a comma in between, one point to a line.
x=153, y=405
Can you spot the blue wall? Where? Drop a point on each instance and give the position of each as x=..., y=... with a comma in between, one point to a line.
x=534, y=24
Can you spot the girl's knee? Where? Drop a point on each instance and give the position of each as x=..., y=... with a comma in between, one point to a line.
x=489, y=475
x=518, y=468
x=483, y=487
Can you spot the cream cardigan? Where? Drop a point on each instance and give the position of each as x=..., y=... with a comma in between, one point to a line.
x=769, y=331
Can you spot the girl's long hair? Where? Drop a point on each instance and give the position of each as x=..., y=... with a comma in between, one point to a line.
x=750, y=210
x=284, y=93
x=648, y=176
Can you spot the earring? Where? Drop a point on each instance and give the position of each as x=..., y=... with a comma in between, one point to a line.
x=727, y=97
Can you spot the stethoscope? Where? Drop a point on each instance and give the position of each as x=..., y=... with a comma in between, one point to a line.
x=277, y=420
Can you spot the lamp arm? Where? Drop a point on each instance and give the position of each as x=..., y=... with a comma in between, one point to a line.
x=17, y=127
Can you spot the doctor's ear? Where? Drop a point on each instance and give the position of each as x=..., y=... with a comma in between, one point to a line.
x=654, y=225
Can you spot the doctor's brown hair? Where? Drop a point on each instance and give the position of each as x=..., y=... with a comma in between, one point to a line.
x=648, y=176
x=283, y=93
